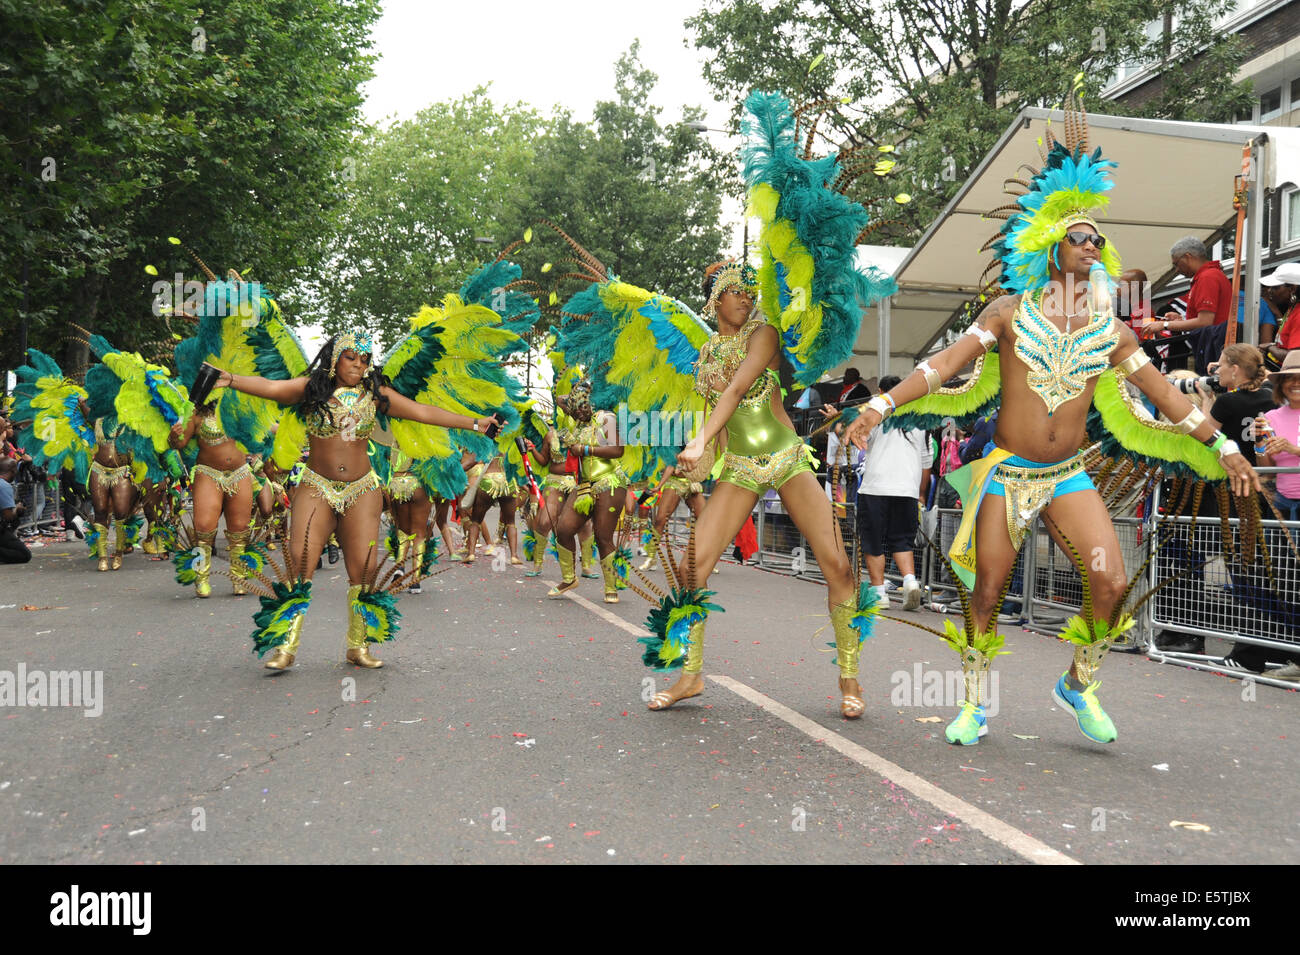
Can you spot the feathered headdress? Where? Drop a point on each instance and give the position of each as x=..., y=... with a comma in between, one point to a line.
x=733, y=275
x=1069, y=188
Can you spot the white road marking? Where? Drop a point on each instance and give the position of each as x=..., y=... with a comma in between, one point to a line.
x=1021, y=843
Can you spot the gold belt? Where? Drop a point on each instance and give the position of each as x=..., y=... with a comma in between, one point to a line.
x=228, y=481
x=110, y=477
x=495, y=485
x=683, y=487
x=767, y=470
x=561, y=482
x=402, y=487
x=340, y=495
x=1029, y=490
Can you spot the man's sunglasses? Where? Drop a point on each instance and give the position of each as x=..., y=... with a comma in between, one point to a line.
x=1079, y=238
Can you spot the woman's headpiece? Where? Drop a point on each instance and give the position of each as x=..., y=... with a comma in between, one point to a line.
x=733, y=275
x=1065, y=192
x=357, y=341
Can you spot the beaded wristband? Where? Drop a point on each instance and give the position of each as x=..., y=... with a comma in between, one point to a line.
x=882, y=405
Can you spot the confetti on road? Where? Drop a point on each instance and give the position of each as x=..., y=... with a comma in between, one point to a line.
x=1194, y=826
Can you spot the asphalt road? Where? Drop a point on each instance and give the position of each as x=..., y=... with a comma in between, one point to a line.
x=506, y=727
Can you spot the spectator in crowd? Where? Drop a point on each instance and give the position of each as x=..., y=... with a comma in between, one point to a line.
x=1209, y=300
x=1281, y=290
x=1133, y=300
x=1268, y=318
x=12, y=550
x=893, y=481
x=852, y=392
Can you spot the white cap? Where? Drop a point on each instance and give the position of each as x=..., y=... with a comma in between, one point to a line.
x=1286, y=274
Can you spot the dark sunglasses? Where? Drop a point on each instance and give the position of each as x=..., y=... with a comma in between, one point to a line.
x=1079, y=238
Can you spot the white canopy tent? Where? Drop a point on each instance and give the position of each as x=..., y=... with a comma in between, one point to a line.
x=1174, y=180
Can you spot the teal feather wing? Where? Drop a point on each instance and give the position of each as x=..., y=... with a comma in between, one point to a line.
x=810, y=286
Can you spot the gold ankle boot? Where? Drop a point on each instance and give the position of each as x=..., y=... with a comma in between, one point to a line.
x=611, y=578
x=237, y=542
x=204, y=546
x=695, y=649
x=404, y=545
x=120, y=547
x=101, y=548
x=568, y=579
x=848, y=648
x=287, y=652
x=358, y=651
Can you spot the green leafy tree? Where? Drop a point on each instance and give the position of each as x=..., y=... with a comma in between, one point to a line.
x=225, y=123
x=643, y=196
x=942, y=79
x=424, y=193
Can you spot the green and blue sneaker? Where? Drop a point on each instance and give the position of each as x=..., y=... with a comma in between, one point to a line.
x=1092, y=719
x=969, y=725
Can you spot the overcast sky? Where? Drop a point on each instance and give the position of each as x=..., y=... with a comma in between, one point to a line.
x=541, y=53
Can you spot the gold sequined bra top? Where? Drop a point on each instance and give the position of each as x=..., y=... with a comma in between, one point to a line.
x=719, y=360
x=353, y=416
x=1061, y=363
x=210, y=432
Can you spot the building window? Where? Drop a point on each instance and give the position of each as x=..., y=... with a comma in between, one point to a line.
x=1270, y=104
x=1295, y=93
x=1291, y=216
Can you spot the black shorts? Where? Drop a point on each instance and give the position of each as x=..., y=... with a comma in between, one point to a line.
x=886, y=525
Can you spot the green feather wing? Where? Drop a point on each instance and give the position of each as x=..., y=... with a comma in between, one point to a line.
x=810, y=286
x=58, y=436
x=964, y=405
x=1114, y=421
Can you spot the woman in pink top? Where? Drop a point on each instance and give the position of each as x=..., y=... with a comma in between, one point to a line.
x=1282, y=449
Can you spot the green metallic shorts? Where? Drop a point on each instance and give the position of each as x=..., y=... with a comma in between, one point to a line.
x=763, y=471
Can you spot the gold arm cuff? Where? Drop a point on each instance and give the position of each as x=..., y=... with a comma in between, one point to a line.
x=1133, y=362
x=932, y=380
x=1195, y=418
x=986, y=337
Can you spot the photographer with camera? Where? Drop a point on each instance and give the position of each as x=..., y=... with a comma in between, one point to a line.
x=1245, y=395
x=12, y=550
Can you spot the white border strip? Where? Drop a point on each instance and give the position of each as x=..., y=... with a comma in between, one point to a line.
x=1022, y=844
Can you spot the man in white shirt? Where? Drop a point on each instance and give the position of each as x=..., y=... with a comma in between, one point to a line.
x=894, y=478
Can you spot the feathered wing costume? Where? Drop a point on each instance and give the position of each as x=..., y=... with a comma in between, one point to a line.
x=239, y=329
x=807, y=286
x=59, y=436
x=1131, y=452
x=450, y=358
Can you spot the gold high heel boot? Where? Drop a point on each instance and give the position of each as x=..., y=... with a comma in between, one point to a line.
x=693, y=666
x=236, y=542
x=287, y=652
x=101, y=548
x=404, y=542
x=120, y=549
x=358, y=651
x=204, y=545
x=611, y=578
x=568, y=579
x=847, y=650
x=418, y=549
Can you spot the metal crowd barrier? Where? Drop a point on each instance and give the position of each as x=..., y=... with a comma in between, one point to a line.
x=1219, y=595
x=28, y=494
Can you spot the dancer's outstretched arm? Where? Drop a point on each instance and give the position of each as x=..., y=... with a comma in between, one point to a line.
x=979, y=338
x=1177, y=407
x=288, y=391
x=399, y=406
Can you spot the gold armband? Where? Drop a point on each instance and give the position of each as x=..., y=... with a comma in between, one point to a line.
x=932, y=380
x=1195, y=418
x=1133, y=362
x=986, y=337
